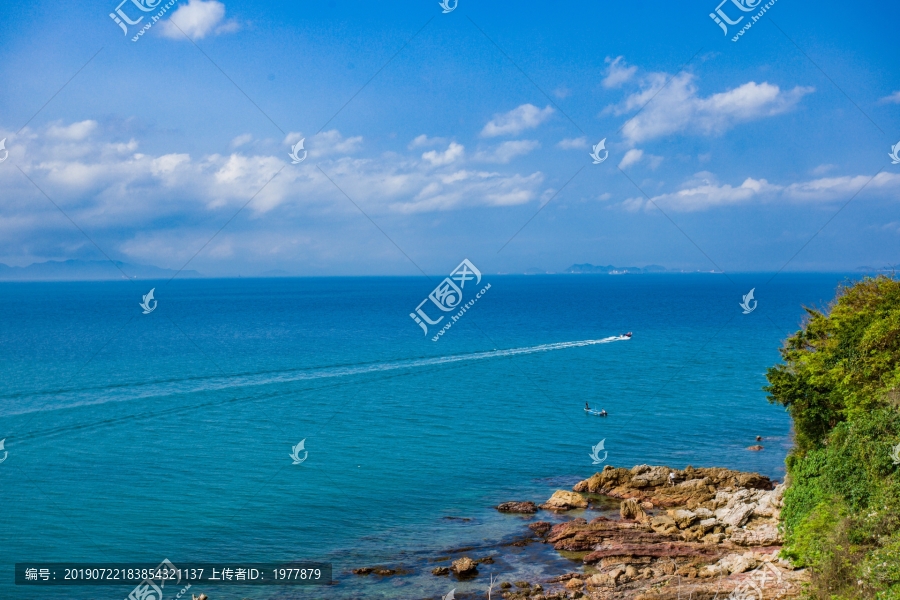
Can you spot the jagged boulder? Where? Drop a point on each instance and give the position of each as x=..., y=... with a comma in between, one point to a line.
x=565, y=500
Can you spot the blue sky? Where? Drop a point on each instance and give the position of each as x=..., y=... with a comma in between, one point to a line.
x=741, y=153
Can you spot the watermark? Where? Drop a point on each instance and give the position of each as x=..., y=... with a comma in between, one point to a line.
x=748, y=298
x=451, y=595
x=295, y=452
x=147, y=299
x=5, y=453
x=6, y=152
x=596, y=153
x=895, y=153
x=147, y=589
x=723, y=20
x=595, y=452
x=895, y=453
x=185, y=589
x=123, y=20
x=448, y=296
x=752, y=588
x=295, y=158
x=445, y=4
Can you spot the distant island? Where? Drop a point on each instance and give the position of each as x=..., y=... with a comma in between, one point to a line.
x=87, y=270
x=612, y=270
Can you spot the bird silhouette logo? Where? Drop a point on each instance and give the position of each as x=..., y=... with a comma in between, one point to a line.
x=895, y=153
x=445, y=4
x=451, y=595
x=596, y=153
x=748, y=298
x=148, y=298
x=5, y=453
x=295, y=452
x=895, y=453
x=295, y=157
x=595, y=452
x=6, y=152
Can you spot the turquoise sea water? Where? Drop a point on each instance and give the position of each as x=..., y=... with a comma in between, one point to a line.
x=137, y=437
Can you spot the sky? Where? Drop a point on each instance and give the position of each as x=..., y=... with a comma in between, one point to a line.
x=434, y=136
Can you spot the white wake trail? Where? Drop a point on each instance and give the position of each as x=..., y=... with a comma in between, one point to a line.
x=160, y=389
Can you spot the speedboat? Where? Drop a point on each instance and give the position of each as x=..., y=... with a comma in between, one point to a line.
x=628, y=335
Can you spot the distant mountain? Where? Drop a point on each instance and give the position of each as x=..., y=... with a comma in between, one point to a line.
x=86, y=270
x=612, y=270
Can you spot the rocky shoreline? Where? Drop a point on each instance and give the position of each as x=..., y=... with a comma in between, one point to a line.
x=699, y=533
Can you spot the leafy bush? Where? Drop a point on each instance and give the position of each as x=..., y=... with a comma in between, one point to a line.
x=840, y=382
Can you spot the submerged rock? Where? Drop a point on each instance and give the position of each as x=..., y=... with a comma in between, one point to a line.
x=518, y=507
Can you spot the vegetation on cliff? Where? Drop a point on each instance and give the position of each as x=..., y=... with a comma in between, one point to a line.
x=840, y=382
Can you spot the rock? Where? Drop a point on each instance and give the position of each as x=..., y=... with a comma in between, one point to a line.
x=646, y=476
x=464, y=566
x=518, y=507
x=377, y=571
x=756, y=448
x=736, y=515
x=707, y=524
x=538, y=588
x=487, y=560
x=663, y=524
x=631, y=509
x=575, y=584
x=565, y=500
x=522, y=584
x=704, y=513
x=440, y=571
x=540, y=527
x=763, y=535
x=713, y=538
x=683, y=518
x=362, y=571
x=505, y=585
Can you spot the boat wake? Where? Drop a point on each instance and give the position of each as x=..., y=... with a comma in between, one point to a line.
x=93, y=396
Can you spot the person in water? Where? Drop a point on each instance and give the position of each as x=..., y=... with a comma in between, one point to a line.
x=586, y=406
x=603, y=413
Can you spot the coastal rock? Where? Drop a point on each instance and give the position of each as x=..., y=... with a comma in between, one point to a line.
x=565, y=500
x=440, y=571
x=683, y=518
x=575, y=584
x=464, y=566
x=518, y=507
x=764, y=535
x=631, y=509
x=664, y=524
x=540, y=527
x=755, y=448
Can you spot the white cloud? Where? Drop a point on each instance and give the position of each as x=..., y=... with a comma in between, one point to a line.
x=617, y=73
x=507, y=151
x=423, y=141
x=573, y=143
x=822, y=169
x=241, y=140
x=703, y=192
x=679, y=108
x=631, y=157
x=526, y=116
x=892, y=99
x=462, y=187
x=562, y=92
x=326, y=143
x=453, y=153
x=197, y=19
x=74, y=132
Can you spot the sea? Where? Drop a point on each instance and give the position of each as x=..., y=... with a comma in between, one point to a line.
x=313, y=419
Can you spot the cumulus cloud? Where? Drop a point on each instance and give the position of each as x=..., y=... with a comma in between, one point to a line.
x=197, y=19
x=507, y=151
x=526, y=116
x=892, y=99
x=423, y=141
x=453, y=153
x=679, y=108
x=704, y=192
x=573, y=143
x=617, y=72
